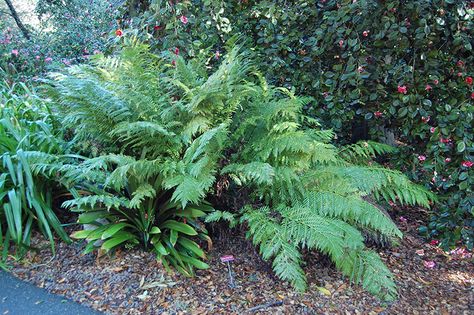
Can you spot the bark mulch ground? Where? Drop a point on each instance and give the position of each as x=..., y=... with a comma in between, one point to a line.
x=132, y=282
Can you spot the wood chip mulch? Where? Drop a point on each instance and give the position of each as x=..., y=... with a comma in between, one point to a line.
x=429, y=281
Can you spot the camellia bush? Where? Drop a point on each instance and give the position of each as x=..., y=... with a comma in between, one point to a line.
x=396, y=71
x=66, y=32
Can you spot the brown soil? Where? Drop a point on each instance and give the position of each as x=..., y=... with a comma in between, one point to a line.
x=132, y=282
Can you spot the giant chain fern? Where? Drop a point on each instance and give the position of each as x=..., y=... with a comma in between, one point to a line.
x=171, y=131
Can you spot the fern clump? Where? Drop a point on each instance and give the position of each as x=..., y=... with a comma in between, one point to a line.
x=168, y=133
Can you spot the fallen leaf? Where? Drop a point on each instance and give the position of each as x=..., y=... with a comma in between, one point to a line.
x=423, y=281
x=324, y=291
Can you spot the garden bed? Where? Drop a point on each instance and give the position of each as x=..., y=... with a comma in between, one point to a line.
x=132, y=282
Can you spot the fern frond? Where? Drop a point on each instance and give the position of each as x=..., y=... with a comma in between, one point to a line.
x=255, y=172
x=218, y=215
x=141, y=193
x=365, y=150
x=352, y=209
x=274, y=242
x=97, y=202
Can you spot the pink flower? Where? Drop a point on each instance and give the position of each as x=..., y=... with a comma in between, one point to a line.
x=469, y=80
x=15, y=52
x=436, y=82
x=402, y=89
x=217, y=55
x=467, y=164
x=365, y=33
x=341, y=43
x=403, y=219
x=460, y=63
x=421, y=158
x=429, y=264
x=325, y=94
x=420, y=252
x=434, y=242
x=37, y=57
x=48, y=59
x=184, y=19
x=425, y=119
x=447, y=160
x=432, y=129
x=96, y=52
x=360, y=69
x=443, y=140
x=459, y=74
x=428, y=88
x=378, y=114
x=119, y=33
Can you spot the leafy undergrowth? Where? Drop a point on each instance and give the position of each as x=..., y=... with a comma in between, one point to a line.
x=132, y=282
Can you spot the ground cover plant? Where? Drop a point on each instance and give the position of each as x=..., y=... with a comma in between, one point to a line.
x=170, y=133
x=393, y=71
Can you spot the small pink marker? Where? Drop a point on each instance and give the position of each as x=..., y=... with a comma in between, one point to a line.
x=227, y=259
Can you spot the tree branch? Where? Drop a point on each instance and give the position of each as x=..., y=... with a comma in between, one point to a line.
x=14, y=14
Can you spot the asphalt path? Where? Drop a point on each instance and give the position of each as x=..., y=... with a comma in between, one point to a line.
x=21, y=298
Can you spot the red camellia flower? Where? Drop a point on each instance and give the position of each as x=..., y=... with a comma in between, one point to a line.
x=425, y=119
x=402, y=89
x=365, y=33
x=469, y=80
x=157, y=27
x=467, y=164
x=428, y=87
x=119, y=32
x=378, y=114
x=447, y=160
x=176, y=51
x=173, y=63
x=184, y=19
x=460, y=63
x=472, y=95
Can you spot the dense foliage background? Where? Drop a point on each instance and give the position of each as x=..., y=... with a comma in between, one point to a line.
x=59, y=33
x=142, y=138
x=396, y=71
